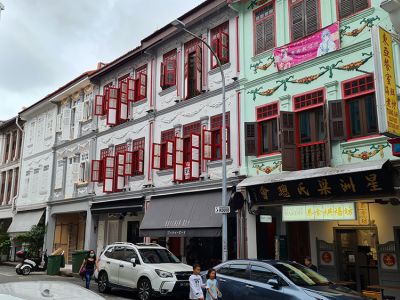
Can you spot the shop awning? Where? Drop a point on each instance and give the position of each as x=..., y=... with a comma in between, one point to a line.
x=23, y=221
x=185, y=215
x=6, y=214
x=366, y=179
x=119, y=206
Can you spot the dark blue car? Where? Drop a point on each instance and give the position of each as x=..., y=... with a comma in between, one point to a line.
x=280, y=280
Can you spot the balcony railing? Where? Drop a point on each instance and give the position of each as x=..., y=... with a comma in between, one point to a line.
x=313, y=156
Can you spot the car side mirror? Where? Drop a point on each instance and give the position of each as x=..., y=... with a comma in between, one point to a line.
x=274, y=283
x=133, y=261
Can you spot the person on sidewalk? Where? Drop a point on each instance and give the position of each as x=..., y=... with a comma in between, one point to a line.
x=88, y=266
x=196, y=284
x=308, y=263
x=213, y=292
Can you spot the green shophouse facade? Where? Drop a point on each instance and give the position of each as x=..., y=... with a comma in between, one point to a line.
x=313, y=121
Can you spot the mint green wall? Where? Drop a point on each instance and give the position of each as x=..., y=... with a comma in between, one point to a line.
x=352, y=49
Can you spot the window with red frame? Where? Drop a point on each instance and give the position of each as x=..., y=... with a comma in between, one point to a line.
x=138, y=156
x=264, y=31
x=193, y=68
x=120, y=179
x=105, y=97
x=360, y=108
x=267, y=126
x=141, y=83
x=98, y=165
x=168, y=70
x=350, y=7
x=220, y=44
x=310, y=117
x=167, y=140
x=304, y=16
x=216, y=136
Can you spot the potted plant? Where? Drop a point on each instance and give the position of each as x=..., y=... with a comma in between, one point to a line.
x=5, y=245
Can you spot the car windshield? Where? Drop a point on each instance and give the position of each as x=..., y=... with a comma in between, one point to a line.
x=301, y=275
x=158, y=256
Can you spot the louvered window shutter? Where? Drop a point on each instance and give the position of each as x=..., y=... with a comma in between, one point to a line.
x=66, y=124
x=59, y=174
x=140, y=165
x=346, y=8
x=360, y=5
x=337, y=120
x=75, y=171
x=170, y=154
x=112, y=106
x=312, y=22
x=288, y=141
x=298, y=21
x=96, y=170
x=106, y=97
x=195, y=156
x=123, y=100
x=178, y=161
x=156, y=156
x=128, y=163
x=142, y=86
x=131, y=89
x=199, y=68
x=120, y=160
x=78, y=118
x=186, y=75
x=109, y=174
x=207, y=144
x=251, y=138
x=170, y=72
x=162, y=75
x=59, y=123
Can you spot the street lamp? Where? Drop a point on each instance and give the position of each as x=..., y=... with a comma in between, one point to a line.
x=180, y=25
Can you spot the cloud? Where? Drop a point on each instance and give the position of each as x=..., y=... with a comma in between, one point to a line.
x=46, y=43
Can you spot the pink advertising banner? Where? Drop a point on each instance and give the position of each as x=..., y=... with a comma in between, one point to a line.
x=318, y=44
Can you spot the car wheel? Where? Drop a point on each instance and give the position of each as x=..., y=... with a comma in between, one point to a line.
x=144, y=289
x=26, y=270
x=103, y=285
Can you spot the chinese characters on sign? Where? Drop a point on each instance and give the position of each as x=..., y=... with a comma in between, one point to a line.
x=351, y=184
x=319, y=212
x=318, y=44
x=386, y=82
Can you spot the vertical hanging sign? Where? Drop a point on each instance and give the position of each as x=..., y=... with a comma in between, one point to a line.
x=385, y=83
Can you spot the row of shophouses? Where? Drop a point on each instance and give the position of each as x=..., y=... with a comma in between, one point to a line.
x=131, y=151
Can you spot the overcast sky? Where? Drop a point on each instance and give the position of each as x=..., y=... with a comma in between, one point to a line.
x=46, y=43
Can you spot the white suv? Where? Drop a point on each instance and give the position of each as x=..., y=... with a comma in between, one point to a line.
x=149, y=269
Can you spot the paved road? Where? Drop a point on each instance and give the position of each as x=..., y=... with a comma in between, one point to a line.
x=7, y=274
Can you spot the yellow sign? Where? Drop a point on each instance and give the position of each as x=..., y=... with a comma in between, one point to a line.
x=386, y=83
x=319, y=212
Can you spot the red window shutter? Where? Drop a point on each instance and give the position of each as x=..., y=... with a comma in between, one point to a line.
x=162, y=75
x=312, y=22
x=169, y=162
x=128, y=162
x=142, y=86
x=215, y=47
x=106, y=95
x=96, y=171
x=123, y=100
x=156, y=156
x=98, y=105
x=178, y=161
x=337, y=120
x=288, y=141
x=109, y=174
x=131, y=89
x=186, y=75
x=120, y=180
x=207, y=144
x=199, y=68
x=224, y=48
x=140, y=165
x=112, y=107
x=195, y=156
x=298, y=21
x=170, y=72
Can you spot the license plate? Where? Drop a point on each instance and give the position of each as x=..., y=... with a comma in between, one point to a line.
x=184, y=284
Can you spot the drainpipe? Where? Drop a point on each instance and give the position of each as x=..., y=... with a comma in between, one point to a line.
x=14, y=199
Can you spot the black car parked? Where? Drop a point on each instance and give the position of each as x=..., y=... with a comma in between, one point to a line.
x=276, y=280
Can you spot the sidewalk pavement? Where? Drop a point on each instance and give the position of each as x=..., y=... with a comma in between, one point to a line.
x=67, y=271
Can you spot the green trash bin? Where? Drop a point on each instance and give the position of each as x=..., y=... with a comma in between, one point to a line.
x=77, y=259
x=54, y=264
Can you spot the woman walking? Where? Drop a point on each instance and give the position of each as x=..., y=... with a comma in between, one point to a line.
x=87, y=267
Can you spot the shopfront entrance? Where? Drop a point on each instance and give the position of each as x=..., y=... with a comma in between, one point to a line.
x=298, y=235
x=357, y=256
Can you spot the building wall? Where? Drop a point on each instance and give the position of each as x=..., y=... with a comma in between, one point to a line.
x=353, y=49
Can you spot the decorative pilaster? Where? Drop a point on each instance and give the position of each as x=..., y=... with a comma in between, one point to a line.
x=1, y=186
x=204, y=125
x=332, y=90
x=10, y=147
x=13, y=174
x=6, y=187
x=17, y=145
